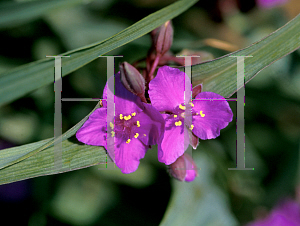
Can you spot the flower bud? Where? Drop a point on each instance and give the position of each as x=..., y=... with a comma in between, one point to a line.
x=196, y=90
x=194, y=140
x=163, y=37
x=184, y=168
x=132, y=80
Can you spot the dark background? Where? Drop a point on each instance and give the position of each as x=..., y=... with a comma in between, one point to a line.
x=98, y=197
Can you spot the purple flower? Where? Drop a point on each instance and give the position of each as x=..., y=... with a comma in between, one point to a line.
x=136, y=125
x=166, y=92
x=286, y=213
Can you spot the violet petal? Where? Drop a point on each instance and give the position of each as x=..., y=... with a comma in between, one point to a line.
x=152, y=126
x=166, y=90
x=173, y=144
x=212, y=115
x=128, y=155
x=93, y=131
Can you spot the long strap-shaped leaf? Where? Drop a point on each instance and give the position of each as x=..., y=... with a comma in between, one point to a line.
x=16, y=83
x=74, y=157
x=220, y=75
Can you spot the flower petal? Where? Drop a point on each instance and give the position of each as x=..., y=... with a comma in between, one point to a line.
x=127, y=156
x=125, y=101
x=173, y=144
x=166, y=90
x=152, y=126
x=93, y=132
x=213, y=115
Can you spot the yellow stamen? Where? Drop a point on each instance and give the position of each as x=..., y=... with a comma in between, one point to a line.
x=179, y=123
x=136, y=135
x=127, y=117
x=128, y=141
x=192, y=127
x=133, y=114
x=138, y=123
x=192, y=104
x=144, y=135
x=175, y=116
x=112, y=133
x=121, y=116
x=201, y=113
x=182, y=107
x=111, y=125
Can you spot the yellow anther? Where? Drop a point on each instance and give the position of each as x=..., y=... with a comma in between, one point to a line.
x=111, y=125
x=127, y=117
x=138, y=123
x=179, y=123
x=136, y=135
x=182, y=107
x=144, y=135
x=192, y=104
x=112, y=133
x=133, y=114
x=121, y=116
x=128, y=141
x=192, y=127
x=175, y=116
x=201, y=113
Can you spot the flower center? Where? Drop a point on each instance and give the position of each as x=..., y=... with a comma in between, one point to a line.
x=181, y=113
x=125, y=126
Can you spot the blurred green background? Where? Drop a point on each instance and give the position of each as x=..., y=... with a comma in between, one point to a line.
x=149, y=196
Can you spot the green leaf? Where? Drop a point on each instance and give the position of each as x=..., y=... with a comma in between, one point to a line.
x=220, y=75
x=26, y=78
x=17, y=13
x=74, y=156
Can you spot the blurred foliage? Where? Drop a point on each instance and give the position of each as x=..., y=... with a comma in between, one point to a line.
x=148, y=196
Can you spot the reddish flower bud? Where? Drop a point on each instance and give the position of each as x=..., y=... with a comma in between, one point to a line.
x=194, y=140
x=132, y=80
x=184, y=168
x=163, y=37
x=197, y=89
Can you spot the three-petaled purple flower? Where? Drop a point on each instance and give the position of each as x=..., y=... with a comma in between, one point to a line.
x=136, y=125
x=209, y=113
